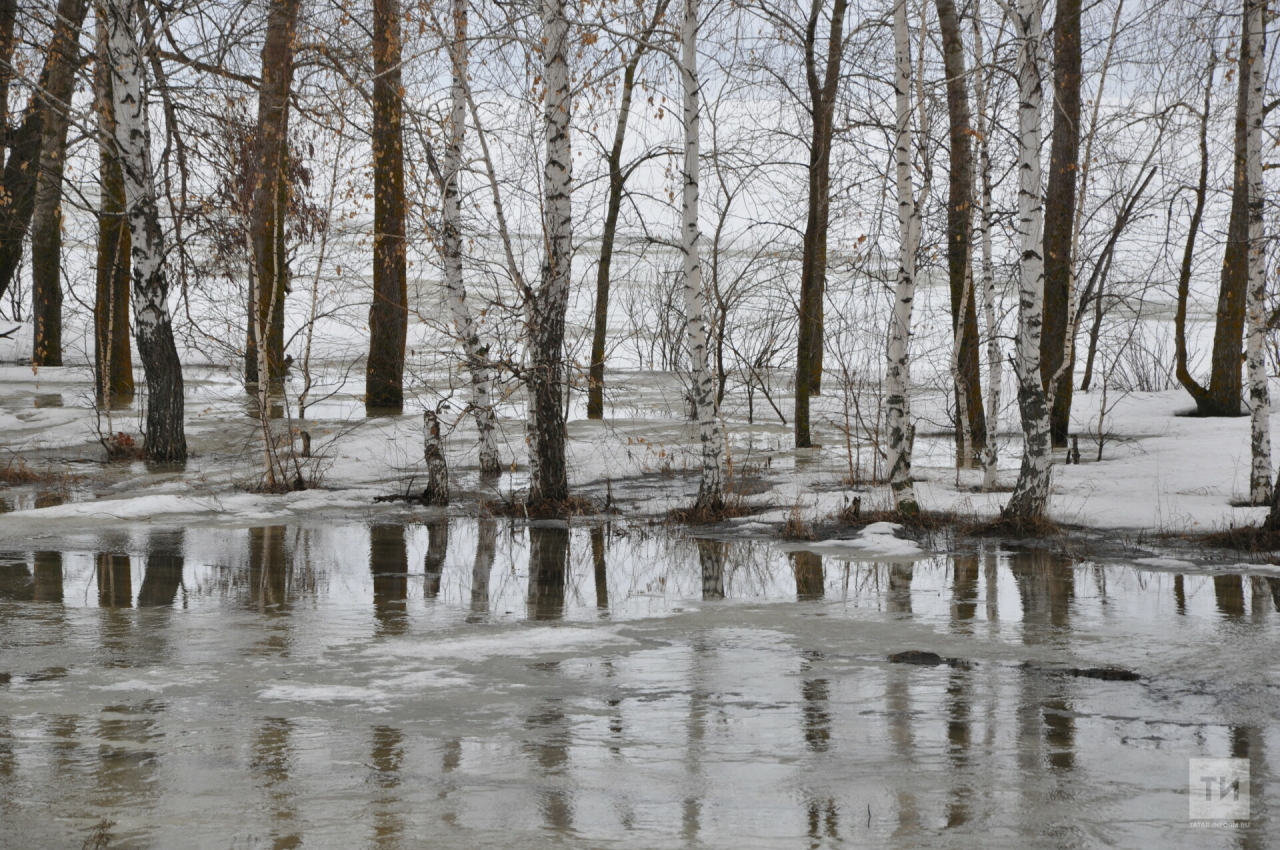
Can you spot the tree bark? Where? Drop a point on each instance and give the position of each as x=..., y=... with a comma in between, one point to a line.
x=113, y=365
x=1031, y=492
x=710, y=483
x=1060, y=216
x=451, y=253
x=613, y=207
x=548, y=474
x=437, y=490
x=389, y=312
x=166, y=437
x=8, y=19
x=1198, y=392
x=813, y=263
x=33, y=147
x=1255, y=36
x=270, y=196
x=46, y=214
x=970, y=418
x=901, y=432
x=1224, y=393
x=990, y=457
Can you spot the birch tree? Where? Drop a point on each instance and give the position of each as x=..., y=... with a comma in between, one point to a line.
x=1255, y=38
x=990, y=456
x=113, y=366
x=898, y=366
x=464, y=324
x=166, y=437
x=710, y=485
x=546, y=308
x=1031, y=492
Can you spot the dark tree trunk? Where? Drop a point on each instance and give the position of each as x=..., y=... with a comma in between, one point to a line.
x=549, y=475
x=8, y=18
x=548, y=564
x=617, y=183
x=960, y=202
x=1226, y=386
x=19, y=195
x=113, y=366
x=389, y=314
x=46, y=214
x=270, y=195
x=1060, y=216
x=813, y=262
x=26, y=144
x=1188, y=255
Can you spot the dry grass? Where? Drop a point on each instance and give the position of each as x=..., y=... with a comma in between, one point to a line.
x=1254, y=539
x=122, y=446
x=797, y=527
x=730, y=508
x=519, y=509
x=17, y=472
x=1015, y=527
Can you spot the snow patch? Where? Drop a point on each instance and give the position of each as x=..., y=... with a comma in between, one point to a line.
x=878, y=540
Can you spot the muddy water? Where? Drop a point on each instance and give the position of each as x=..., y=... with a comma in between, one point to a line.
x=476, y=684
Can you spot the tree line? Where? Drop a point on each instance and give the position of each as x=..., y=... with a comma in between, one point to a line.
x=772, y=146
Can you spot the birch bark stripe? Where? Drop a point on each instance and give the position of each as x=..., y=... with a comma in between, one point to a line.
x=898, y=366
x=165, y=438
x=1031, y=492
x=710, y=487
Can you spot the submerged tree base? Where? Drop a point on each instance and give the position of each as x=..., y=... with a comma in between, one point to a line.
x=543, y=508
x=1016, y=527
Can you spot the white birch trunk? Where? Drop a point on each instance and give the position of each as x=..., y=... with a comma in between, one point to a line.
x=710, y=487
x=1031, y=492
x=1255, y=356
x=451, y=252
x=548, y=470
x=437, y=489
x=165, y=438
x=898, y=366
x=990, y=456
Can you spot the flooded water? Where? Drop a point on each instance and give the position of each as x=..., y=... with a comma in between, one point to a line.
x=480, y=684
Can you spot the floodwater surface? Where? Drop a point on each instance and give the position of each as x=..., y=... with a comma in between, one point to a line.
x=480, y=684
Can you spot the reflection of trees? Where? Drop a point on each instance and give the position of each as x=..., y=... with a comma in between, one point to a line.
x=810, y=579
x=486, y=548
x=389, y=564
x=548, y=563
x=437, y=551
x=163, y=573
x=269, y=567
x=47, y=584
x=388, y=755
x=115, y=580
x=600, y=568
x=271, y=762
x=1228, y=592
x=711, y=559
x=1046, y=589
x=549, y=750
x=964, y=591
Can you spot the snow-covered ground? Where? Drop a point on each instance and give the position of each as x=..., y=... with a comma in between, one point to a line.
x=1159, y=470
